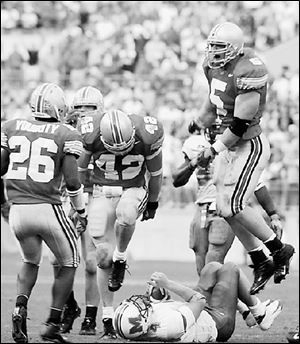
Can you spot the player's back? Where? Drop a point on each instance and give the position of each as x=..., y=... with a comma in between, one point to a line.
x=37, y=149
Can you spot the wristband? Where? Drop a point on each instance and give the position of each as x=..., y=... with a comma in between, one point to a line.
x=273, y=212
x=77, y=199
x=152, y=205
x=219, y=146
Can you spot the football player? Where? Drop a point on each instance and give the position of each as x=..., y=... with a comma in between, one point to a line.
x=87, y=101
x=36, y=154
x=205, y=315
x=237, y=80
x=127, y=158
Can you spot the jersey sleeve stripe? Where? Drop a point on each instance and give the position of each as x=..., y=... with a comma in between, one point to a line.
x=252, y=82
x=150, y=157
x=73, y=147
x=156, y=173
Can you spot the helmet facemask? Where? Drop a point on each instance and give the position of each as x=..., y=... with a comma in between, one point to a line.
x=219, y=53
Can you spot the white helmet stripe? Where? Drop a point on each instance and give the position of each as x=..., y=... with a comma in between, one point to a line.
x=115, y=127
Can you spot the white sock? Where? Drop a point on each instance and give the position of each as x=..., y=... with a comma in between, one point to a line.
x=117, y=255
x=107, y=312
x=258, y=309
x=242, y=307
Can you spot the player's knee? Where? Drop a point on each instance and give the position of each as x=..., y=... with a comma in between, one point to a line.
x=216, y=254
x=126, y=214
x=219, y=232
x=104, y=252
x=91, y=265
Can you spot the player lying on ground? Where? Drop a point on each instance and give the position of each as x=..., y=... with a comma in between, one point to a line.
x=205, y=315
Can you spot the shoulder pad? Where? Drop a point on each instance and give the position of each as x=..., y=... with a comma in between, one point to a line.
x=193, y=145
x=250, y=71
x=149, y=130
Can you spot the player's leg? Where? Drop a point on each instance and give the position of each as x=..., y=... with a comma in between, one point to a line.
x=223, y=298
x=92, y=296
x=129, y=208
x=220, y=239
x=243, y=168
x=263, y=312
x=101, y=227
x=263, y=267
x=60, y=236
x=30, y=246
x=199, y=236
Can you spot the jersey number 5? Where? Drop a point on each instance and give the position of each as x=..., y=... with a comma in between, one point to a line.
x=40, y=168
x=218, y=85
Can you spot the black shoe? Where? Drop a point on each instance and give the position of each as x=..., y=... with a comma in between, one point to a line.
x=116, y=276
x=293, y=336
x=88, y=327
x=51, y=332
x=19, y=327
x=281, y=259
x=262, y=273
x=68, y=316
x=108, y=329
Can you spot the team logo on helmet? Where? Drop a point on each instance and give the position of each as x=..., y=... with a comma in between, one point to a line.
x=225, y=42
x=117, y=132
x=131, y=317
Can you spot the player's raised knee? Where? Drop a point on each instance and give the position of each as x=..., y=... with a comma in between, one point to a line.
x=126, y=214
x=218, y=231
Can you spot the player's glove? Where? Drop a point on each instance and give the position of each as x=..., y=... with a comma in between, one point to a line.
x=72, y=117
x=206, y=156
x=79, y=219
x=5, y=208
x=193, y=126
x=276, y=225
x=150, y=211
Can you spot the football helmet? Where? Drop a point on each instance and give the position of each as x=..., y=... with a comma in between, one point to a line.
x=48, y=101
x=117, y=132
x=131, y=317
x=224, y=43
x=88, y=96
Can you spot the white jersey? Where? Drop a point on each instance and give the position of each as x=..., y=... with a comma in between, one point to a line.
x=174, y=321
x=206, y=189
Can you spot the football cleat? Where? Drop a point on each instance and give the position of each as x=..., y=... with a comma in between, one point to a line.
x=51, y=332
x=68, y=317
x=271, y=313
x=19, y=327
x=88, y=327
x=116, y=276
x=108, y=329
x=281, y=259
x=262, y=273
x=293, y=336
x=249, y=317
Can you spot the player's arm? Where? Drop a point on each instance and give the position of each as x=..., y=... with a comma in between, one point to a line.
x=246, y=106
x=265, y=200
x=83, y=163
x=182, y=174
x=195, y=300
x=4, y=161
x=204, y=118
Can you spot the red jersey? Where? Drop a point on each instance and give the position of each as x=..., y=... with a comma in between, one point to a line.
x=37, y=149
x=128, y=170
x=245, y=73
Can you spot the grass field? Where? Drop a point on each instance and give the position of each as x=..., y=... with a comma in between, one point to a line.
x=184, y=271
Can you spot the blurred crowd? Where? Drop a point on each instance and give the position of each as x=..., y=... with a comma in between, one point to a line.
x=146, y=57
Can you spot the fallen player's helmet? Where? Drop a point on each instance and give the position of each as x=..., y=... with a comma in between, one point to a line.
x=48, y=101
x=131, y=317
x=117, y=132
x=225, y=42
